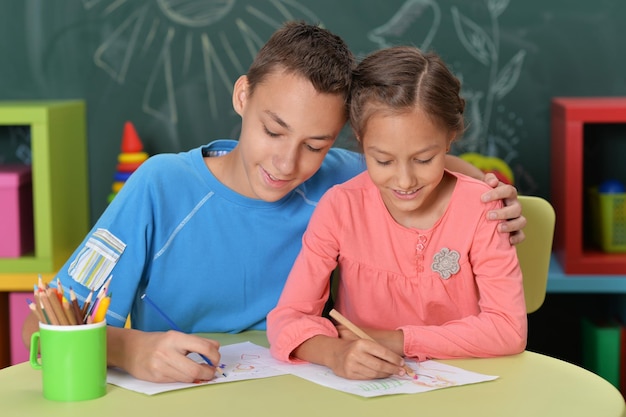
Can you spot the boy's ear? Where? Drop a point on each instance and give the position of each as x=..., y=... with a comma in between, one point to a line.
x=240, y=94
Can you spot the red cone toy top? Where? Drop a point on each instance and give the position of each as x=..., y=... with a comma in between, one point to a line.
x=130, y=141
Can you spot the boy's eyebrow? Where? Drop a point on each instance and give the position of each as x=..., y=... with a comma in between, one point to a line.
x=285, y=125
x=321, y=137
x=278, y=119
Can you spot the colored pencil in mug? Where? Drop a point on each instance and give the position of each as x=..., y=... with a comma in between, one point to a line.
x=42, y=286
x=101, y=294
x=75, y=307
x=44, y=314
x=32, y=306
x=85, y=310
x=46, y=306
x=59, y=290
x=100, y=313
x=57, y=307
x=69, y=313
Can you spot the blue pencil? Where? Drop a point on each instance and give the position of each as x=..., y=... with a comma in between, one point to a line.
x=175, y=327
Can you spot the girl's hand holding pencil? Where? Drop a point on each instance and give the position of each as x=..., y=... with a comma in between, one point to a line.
x=341, y=319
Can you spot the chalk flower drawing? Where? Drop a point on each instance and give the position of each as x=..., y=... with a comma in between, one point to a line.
x=487, y=134
x=485, y=48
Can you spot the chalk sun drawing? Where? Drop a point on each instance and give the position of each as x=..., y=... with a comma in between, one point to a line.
x=224, y=34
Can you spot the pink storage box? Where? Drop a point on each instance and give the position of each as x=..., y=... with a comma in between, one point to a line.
x=18, y=310
x=16, y=211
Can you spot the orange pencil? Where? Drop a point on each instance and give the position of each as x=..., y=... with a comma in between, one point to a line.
x=60, y=292
x=341, y=319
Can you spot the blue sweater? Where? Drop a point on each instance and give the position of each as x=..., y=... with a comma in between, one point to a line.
x=214, y=260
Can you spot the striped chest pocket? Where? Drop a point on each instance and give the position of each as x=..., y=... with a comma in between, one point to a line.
x=97, y=258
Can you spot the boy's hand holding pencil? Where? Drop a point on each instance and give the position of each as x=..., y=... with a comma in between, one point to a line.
x=174, y=326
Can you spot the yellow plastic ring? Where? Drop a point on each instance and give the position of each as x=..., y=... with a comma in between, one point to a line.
x=130, y=157
x=117, y=186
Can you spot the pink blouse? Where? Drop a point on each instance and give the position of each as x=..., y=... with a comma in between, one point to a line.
x=455, y=290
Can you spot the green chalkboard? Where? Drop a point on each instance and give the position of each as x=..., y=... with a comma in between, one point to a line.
x=168, y=65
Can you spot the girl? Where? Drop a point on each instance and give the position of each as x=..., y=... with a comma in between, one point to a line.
x=421, y=270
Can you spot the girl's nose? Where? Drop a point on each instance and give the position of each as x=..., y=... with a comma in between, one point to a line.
x=406, y=178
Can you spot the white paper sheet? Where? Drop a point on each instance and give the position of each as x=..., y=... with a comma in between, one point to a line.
x=242, y=361
x=431, y=375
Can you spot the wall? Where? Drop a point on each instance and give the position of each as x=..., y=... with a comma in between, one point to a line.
x=168, y=65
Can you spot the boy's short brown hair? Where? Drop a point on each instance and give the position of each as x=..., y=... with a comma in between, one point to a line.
x=308, y=51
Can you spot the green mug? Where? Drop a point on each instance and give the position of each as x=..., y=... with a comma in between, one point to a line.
x=73, y=360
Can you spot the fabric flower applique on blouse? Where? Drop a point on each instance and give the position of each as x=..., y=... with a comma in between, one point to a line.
x=446, y=263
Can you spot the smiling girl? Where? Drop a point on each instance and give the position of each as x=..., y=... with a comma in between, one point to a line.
x=421, y=269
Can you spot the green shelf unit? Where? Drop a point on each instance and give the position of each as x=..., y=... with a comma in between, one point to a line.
x=59, y=177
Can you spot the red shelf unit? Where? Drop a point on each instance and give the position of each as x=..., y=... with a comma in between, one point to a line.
x=569, y=115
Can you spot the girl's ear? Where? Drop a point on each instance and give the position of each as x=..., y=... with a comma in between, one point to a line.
x=240, y=94
x=450, y=140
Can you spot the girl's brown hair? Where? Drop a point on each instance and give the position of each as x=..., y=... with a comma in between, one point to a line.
x=399, y=78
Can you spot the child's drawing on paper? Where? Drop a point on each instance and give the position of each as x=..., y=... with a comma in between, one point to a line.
x=382, y=384
x=431, y=375
x=246, y=364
